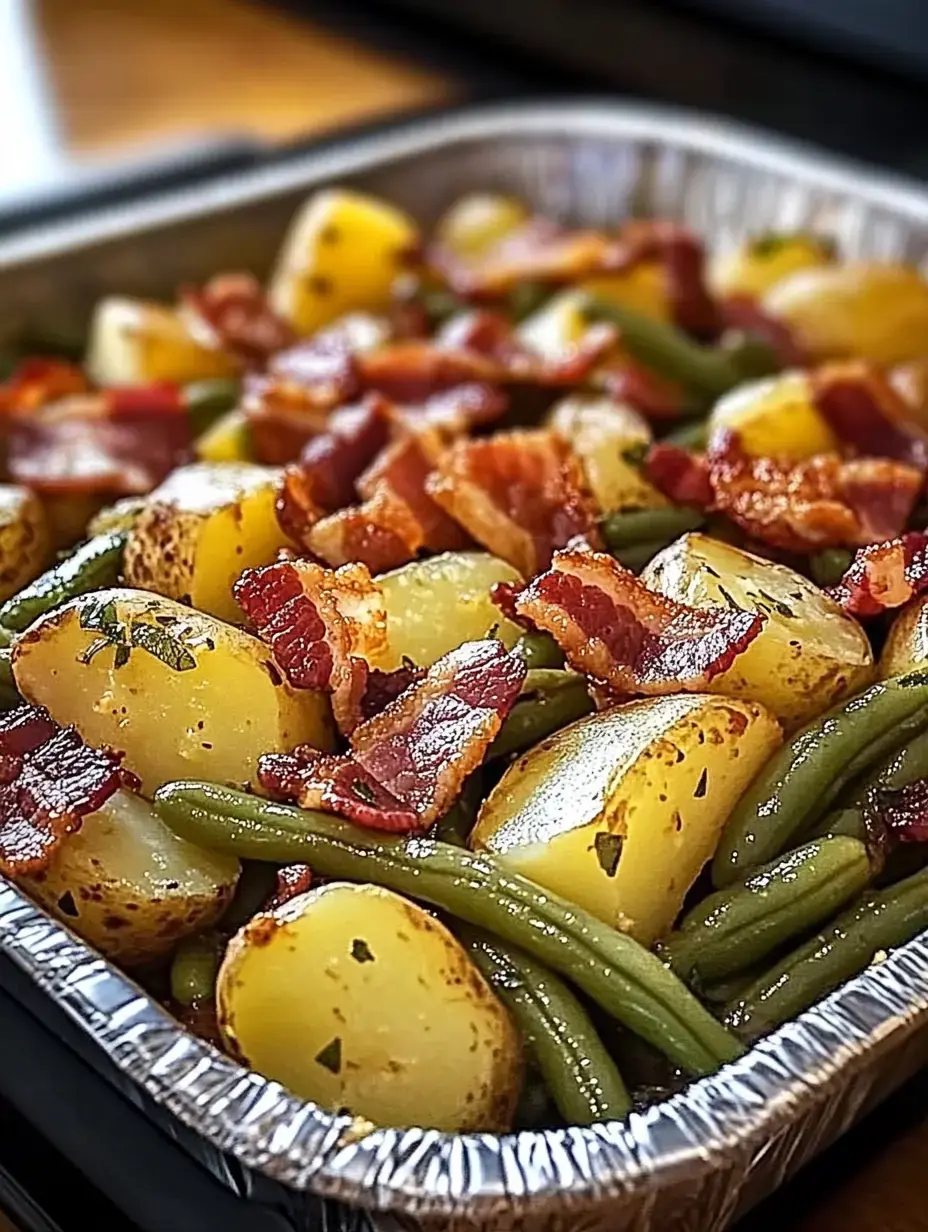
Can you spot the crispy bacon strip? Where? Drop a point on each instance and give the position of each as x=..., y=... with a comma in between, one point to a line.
x=49, y=780
x=520, y=494
x=118, y=442
x=385, y=687
x=866, y=412
x=36, y=382
x=884, y=576
x=624, y=636
x=682, y=476
x=654, y=396
x=292, y=879
x=456, y=411
x=408, y=763
x=231, y=313
x=322, y=626
x=903, y=812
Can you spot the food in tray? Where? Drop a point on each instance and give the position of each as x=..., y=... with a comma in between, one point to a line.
x=478, y=679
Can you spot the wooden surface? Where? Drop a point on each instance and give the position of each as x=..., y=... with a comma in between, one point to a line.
x=123, y=73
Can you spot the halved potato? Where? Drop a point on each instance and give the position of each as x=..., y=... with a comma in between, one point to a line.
x=358, y=999
x=133, y=341
x=436, y=604
x=184, y=695
x=761, y=261
x=342, y=253
x=860, y=310
x=775, y=417
x=808, y=655
x=200, y=529
x=600, y=431
x=227, y=440
x=906, y=647
x=621, y=810
x=130, y=886
x=24, y=539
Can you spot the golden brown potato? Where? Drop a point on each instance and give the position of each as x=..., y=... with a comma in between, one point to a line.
x=129, y=886
x=621, y=810
x=133, y=341
x=775, y=417
x=357, y=998
x=808, y=655
x=184, y=695
x=201, y=529
x=24, y=539
x=478, y=221
x=906, y=647
x=760, y=262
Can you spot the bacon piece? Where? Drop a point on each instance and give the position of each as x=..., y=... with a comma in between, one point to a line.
x=624, y=636
x=231, y=313
x=520, y=494
x=903, y=811
x=683, y=477
x=36, y=382
x=458, y=410
x=119, y=442
x=407, y=765
x=654, y=396
x=743, y=312
x=884, y=576
x=49, y=780
x=385, y=687
x=322, y=627
x=822, y=502
x=867, y=413
x=292, y=880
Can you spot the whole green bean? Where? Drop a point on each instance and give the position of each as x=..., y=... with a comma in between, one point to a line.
x=637, y=555
x=850, y=822
x=667, y=349
x=878, y=921
x=194, y=969
x=581, y=1076
x=732, y=929
x=539, y=713
x=902, y=767
x=628, y=981
x=801, y=781
x=207, y=400
x=636, y=526
x=538, y=650
x=829, y=566
x=95, y=564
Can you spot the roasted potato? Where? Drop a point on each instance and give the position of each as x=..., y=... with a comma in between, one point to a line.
x=130, y=886
x=342, y=253
x=808, y=655
x=775, y=416
x=557, y=326
x=906, y=646
x=760, y=262
x=863, y=311
x=621, y=810
x=227, y=440
x=643, y=288
x=200, y=529
x=478, y=221
x=601, y=432
x=184, y=695
x=910, y=380
x=24, y=539
x=133, y=341
x=436, y=604
x=357, y=998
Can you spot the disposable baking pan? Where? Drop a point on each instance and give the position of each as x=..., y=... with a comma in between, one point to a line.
x=700, y=1158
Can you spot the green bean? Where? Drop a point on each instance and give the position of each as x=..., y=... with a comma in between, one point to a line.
x=95, y=564
x=194, y=968
x=801, y=781
x=612, y=969
x=9, y=694
x=878, y=921
x=829, y=566
x=720, y=992
x=580, y=1075
x=536, y=715
x=901, y=768
x=638, y=555
x=693, y=435
x=850, y=822
x=667, y=349
x=457, y=823
x=636, y=526
x=535, y=1109
x=733, y=929
x=207, y=400
x=751, y=356
x=538, y=650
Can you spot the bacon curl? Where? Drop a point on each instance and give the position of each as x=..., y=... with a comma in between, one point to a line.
x=231, y=313
x=884, y=576
x=864, y=411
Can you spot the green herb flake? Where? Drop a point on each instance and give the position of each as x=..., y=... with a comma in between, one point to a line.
x=361, y=951
x=364, y=791
x=608, y=848
x=121, y=657
x=100, y=615
x=777, y=606
x=769, y=243
x=635, y=454
x=728, y=599
x=330, y=1057
x=701, y=785
x=162, y=645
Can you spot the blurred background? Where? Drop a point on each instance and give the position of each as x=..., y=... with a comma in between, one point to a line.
x=102, y=98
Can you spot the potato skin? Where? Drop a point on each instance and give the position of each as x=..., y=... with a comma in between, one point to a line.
x=211, y=718
x=129, y=886
x=356, y=998
x=809, y=654
x=775, y=416
x=621, y=810
x=906, y=645
x=24, y=539
x=201, y=529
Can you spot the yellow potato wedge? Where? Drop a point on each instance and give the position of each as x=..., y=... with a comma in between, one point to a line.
x=775, y=417
x=24, y=539
x=760, y=262
x=906, y=646
x=133, y=341
x=601, y=431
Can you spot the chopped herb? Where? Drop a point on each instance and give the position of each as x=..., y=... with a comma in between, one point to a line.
x=777, y=606
x=635, y=454
x=608, y=849
x=493, y=630
x=168, y=649
x=101, y=616
x=121, y=657
x=701, y=785
x=728, y=599
x=361, y=951
x=364, y=791
x=712, y=572
x=330, y=1057
x=769, y=243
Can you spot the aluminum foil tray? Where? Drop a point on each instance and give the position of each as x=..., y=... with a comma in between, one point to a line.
x=701, y=1158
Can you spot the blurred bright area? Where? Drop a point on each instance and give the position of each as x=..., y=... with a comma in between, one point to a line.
x=119, y=74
